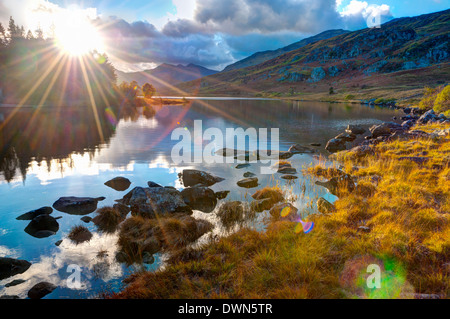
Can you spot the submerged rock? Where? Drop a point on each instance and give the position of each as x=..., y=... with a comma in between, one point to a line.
x=284, y=211
x=41, y=290
x=10, y=267
x=289, y=177
x=192, y=177
x=249, y=174
x=77, y=205
x=200, y=198
x=119, y=183
x=156, y=201
x=35, y=213
x=287, y=170
x=248, y=182
x=86, y=219
x=42, y=226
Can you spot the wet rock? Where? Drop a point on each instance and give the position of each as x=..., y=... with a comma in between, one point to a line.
x=58, y=243
x=299, y=149
x=284, y=211
x=289, y=177
x=325, y=207
x=15, y=283
x=385, y=129
x=155, y=201
x=42, y=226
x=86, y=219
x=153, y=184
x=335, y=145
x=355, y=129
x=200, y=198
x=119, y=183
x=249, y=174
x=361, y=151
x=285, y=155
x=346, y=137
x=261, y=205
x=77, y=205
x=10, y=267
x=315, y=144
x=222, y=194
x=35, y=213
x=239, y=166
x=248, y=182
x=287, y=170
x=41, y=290
x=339, y=186
x=192, y=177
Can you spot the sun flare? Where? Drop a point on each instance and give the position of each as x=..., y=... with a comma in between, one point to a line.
x=76, y=35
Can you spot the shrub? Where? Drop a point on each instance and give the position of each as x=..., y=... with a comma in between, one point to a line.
x=349, y=97
x=79, y=234
x=107, y=219
x=442, y=102
x=427, y=102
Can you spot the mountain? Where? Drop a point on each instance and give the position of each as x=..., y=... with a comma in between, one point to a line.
x=404, y=53
x=166, y=75
x=260, y=57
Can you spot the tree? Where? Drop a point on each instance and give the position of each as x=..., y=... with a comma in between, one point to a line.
x=2, y=35
x=12, y=29
x=39, y=33
x=148, y=90
x=29, y=35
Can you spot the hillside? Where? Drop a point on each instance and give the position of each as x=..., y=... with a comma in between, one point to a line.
x=166, y=75
x=403, y=55
x=260, y=57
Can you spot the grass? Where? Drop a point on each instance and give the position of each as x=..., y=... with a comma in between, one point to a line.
x=107, y=219
x=79, y=234
x=233, y=213
x=398, y=220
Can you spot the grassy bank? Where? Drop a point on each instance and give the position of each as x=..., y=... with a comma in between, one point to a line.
x=401, y=225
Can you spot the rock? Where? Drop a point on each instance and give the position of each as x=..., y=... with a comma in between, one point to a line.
x=222, y=194
x=407, y=110
x=10, y=267
x=249, y=174
x=58, y=243
x=248, y=182
x=41, y=290
x=285, y=155
x=15, y=283
x=339, y=186
x=151, y=245
x=289, y=177
x=192, y=177
x=122, y=209
x=200, y=198
x=77, y=205
x=153, y=184
x=42, y=226
x=315, y=144
x=155, y=201
x=299, y=149
x=86, y=219
x=335, y=145
x=35, y=213
x=119, y=183
x=325, y=207
x=361, y=151
x=407, y=124
x=287, y=170
x=148, y=258
x=355, y=129
x=427, y=117
x=347, y=137
x=239, y=166
x=385, y=129
x=261, y=205
x=284, y=211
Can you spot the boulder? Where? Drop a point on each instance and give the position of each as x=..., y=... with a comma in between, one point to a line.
x=77, y=205
x=155, y=201
x=41, y=290
x=42, y=226
x=192, y=177
x=284, y=211
x=339, y=186
x=200, y=198
x=385, y=129
x=122, y=209
x=347, y=137
x=35, y=213
x=10, y=267
x=261, y=205
x=361, y=151
x=335, y=145
x=355, y=129
x=86, y=219
x=15, y=283
x=222, y=194
x=153, y=184
x=287, y=170
x=285, y=155
x=248, y=182
x=300, y=149
x=325, y=207
x=428, y=116
x=119, y=183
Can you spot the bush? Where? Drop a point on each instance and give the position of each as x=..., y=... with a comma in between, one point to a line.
x=107, y=219
x=442, y=102
x=427, y=102
x=349, y=97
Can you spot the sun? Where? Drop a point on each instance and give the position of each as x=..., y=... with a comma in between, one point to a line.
x=76, y=35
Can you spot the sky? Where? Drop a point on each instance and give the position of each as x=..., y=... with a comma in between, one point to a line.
x=142, y=34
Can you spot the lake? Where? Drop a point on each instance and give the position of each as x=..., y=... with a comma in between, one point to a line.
x=50, y=153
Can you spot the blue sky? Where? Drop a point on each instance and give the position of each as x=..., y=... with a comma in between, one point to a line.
x=213, y=33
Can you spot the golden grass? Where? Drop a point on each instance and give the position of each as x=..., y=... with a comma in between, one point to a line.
x=402, y=225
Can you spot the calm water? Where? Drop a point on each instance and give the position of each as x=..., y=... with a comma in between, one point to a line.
x=53, y=153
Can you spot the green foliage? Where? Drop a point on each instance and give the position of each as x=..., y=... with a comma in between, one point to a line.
x=148, y=90
x=349, y=97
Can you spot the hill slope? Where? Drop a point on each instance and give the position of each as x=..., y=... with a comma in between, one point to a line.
x=166, y=74
x=405, y=52
x=260, y=57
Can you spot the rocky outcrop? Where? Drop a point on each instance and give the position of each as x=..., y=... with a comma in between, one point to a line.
x=77, y=205
x=10, y=267
x=155, y=201
x=192, y=177
x=119, y=183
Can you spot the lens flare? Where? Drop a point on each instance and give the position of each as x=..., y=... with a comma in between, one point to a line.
x=111, y=116
x=285, y=211
x=306, y=227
